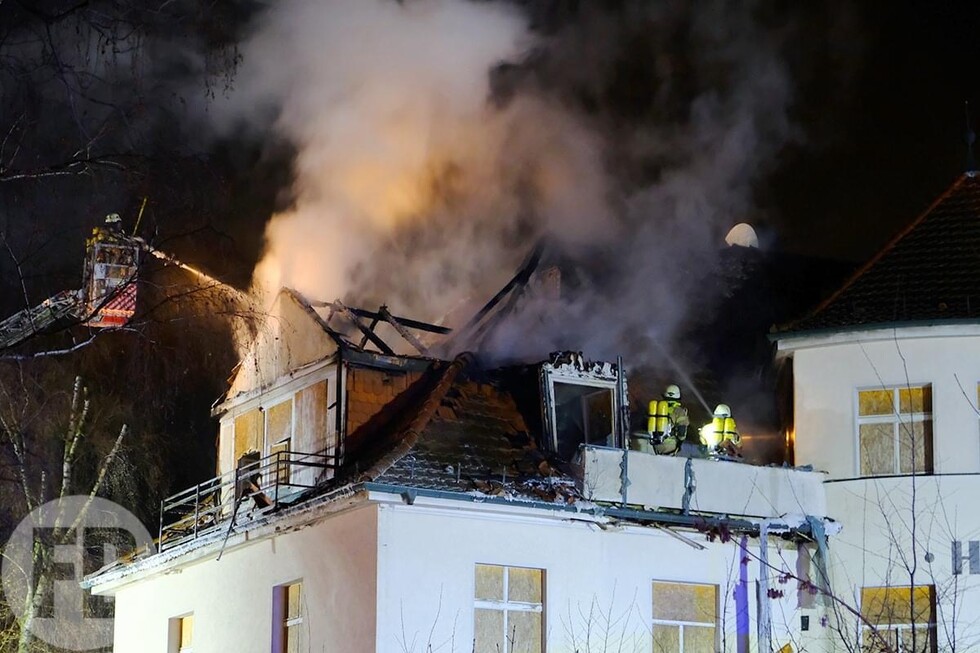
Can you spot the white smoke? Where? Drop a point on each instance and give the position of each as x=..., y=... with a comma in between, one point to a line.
x=388, y=106
x=417, y=185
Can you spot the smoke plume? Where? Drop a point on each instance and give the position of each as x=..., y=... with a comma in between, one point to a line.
x=438, y=140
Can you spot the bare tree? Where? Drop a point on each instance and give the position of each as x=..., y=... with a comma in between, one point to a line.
x=37, y=486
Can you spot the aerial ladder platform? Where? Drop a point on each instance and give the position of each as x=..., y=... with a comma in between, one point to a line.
x=107, y=298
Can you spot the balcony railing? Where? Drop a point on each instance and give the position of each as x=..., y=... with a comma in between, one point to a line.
x=239, y=497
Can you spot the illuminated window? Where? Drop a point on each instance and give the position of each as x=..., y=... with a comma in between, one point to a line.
x=898, y=619
x=895, y=430
x=287, y=615
x=685, y=617
x=509, y=610
x=181, y=636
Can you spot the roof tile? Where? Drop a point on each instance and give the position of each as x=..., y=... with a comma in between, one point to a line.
x=929, y=272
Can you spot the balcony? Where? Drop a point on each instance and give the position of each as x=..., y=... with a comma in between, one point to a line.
x=237, y=498
x=698, y=485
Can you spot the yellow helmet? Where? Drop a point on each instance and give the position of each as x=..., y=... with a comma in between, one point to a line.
x=672, y=392
x=722, y=410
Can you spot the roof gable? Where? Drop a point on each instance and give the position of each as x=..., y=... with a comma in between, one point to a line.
x=287, y=338
x=930, y=271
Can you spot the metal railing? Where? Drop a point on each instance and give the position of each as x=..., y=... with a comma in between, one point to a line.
x=249, y=492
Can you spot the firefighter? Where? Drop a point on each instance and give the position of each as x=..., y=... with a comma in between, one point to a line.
x=720, y=435
x=667, y=422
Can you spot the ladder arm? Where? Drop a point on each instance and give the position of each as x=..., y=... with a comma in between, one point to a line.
x=26, y=323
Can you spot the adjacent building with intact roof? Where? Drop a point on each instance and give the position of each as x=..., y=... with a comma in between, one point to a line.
x=886, y=380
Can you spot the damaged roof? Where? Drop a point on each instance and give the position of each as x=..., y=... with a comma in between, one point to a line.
x=929, y=272
x=469, y=435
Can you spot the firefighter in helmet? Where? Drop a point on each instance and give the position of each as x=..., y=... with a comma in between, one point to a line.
x=720, y=435
x=667, y=422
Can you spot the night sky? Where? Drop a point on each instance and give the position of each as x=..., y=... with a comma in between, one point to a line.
x=885, y=126
x=875, y=102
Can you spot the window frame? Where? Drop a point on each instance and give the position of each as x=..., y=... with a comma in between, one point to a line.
x=175, y=629
x=604, y=386
x=281, y=474
x=506, y=606
x=267, y=407
x=281, y=621
x=654, y=621
x=931, y=626
x=897, y=419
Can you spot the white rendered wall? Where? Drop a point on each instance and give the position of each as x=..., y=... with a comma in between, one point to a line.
x=428, y=553
x=719, y=486
x=827, y=376
x=231, y=598
x=893, y=525
x=884, y=518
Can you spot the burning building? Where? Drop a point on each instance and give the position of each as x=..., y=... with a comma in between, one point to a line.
x=372, y=495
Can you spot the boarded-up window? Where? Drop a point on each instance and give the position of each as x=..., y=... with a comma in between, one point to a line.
x=895, y=430
x=509, y=610
x=898, y=619
x=281, y=461
x=311, y=418
x=684, y=617
x=279, y=422
x=248, y=432
x=181, y=635
x=287, y=608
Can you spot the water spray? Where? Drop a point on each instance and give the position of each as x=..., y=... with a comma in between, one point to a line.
x=167, y=258
x=685, y=377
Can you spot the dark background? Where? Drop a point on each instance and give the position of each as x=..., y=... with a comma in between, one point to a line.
x=878, y=110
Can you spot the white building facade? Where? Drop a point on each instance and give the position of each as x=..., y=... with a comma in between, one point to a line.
x=886, y=383
x=374, y=502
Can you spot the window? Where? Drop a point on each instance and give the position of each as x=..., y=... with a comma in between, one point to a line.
x=684, y=617
x=278, y=431
x=181, y=634
x=248, y=433
x=279, y=421
x=583, y=415
x=509, y=610
x=287, y=615
x=895, y=430
x=899, y=619
x=282, y=463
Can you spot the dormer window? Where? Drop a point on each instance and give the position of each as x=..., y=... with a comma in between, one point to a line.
x=581, y=404
x=583, y=415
